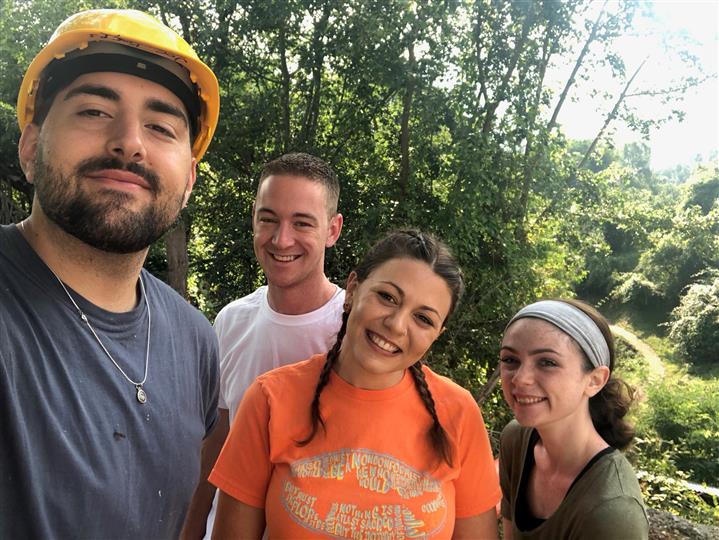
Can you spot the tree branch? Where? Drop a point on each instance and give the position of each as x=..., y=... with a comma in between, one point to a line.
x=519, y=46
x=571, y=177
x=570, y=81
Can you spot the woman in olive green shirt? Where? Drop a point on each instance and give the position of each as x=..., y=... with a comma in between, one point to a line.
x=561, y=470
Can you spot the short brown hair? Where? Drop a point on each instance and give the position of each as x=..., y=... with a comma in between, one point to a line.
x=307, y=166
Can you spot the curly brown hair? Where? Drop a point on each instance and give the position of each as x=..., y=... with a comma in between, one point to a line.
x=611, y=404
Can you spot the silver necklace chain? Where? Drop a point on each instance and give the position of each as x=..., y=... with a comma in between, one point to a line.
x=140, y=394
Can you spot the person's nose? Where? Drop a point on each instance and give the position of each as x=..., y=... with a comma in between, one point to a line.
x=397, y=321
x=523, y=375
x=283, y=236
x=126, y=140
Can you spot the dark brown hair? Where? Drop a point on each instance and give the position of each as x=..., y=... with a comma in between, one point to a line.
x=414, y=245
x=307, y=166
x=610, y=405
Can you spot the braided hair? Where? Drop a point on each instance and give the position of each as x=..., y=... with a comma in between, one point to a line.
x=408, y=244
x=332, y=356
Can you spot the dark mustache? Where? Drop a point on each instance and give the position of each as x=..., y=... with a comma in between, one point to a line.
x=92, y=165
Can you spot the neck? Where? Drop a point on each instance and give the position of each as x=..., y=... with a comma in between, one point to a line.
x=569, y=446
x=301, y=299
x=108, y=280
x=345, y=368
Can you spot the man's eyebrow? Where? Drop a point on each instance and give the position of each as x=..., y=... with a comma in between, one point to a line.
x=160, y=106
x=304, y=215
x=93, y=90
x=301, y=215
x=402, y=294
x=156, y=105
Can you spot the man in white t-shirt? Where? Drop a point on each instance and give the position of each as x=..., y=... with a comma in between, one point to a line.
x=296, y=315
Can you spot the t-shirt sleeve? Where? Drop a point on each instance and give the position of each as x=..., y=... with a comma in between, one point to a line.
x=210, y=383
x=219, y=328
x=507, y=442
x=243, y=468
x=477, y=488
x=620, y=517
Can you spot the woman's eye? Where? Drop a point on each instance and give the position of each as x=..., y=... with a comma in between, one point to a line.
x=507, y=360
x=424, y=319
x=386, y=296
x=547, y=362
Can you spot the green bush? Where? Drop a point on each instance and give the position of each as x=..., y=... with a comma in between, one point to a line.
x=636, y=290
x=677, y=424
x=631, y=365
x=702, y=189
x=685, y=414
x=694, y=325
x=662, y=482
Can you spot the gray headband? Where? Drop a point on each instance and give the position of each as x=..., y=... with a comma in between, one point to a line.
x=573, y=322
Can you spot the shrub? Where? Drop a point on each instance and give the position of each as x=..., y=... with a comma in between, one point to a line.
x=636, y=290
x=685, y=414
x=677, y=423
x=694, y=325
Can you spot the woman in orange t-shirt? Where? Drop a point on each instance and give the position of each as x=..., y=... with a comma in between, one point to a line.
x=365, y=441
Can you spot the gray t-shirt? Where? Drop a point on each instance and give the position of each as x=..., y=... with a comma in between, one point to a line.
x=80, y=457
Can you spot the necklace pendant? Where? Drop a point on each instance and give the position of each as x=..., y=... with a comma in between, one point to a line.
x=141, y=395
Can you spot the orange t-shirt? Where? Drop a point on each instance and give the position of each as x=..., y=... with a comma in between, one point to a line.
x=373, y=474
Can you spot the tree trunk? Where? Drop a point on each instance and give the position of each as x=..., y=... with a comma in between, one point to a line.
x=177, y=261
x=312, y=108
x=286, y=133
x=404, y=137
x=502, y=91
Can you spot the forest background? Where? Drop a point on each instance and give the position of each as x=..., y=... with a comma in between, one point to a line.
x=440, y=114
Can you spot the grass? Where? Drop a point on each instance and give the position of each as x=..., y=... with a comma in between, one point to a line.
x=677, y=422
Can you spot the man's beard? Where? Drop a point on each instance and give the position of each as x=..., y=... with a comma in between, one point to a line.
x=103, y=221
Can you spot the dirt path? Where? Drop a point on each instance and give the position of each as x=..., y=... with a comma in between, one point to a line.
x=655, y=364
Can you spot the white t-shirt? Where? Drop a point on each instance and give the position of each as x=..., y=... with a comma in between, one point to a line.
x=255, y=339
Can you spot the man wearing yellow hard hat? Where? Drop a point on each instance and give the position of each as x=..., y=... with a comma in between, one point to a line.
x=108, y=378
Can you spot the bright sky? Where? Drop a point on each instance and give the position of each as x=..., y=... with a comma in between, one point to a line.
x=691, y=24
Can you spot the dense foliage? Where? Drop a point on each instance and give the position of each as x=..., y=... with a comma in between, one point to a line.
x=695, y=322
x=677, y=423
x=435, y=114
x=680, y=244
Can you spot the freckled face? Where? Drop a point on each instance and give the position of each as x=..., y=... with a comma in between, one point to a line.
x=396, y=314
x=542, y=376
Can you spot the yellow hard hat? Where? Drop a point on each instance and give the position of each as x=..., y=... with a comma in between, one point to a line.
x=133, y=31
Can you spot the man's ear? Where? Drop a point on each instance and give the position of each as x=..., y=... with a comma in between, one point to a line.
x=190, y=182
x=597, y=379
x=334, y=230
x=27, y=150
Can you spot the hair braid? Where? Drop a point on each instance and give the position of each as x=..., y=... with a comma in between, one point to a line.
x=324, y=378
x=437, y=434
